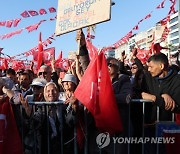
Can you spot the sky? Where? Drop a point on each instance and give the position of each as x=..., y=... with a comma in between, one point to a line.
x=125, y=14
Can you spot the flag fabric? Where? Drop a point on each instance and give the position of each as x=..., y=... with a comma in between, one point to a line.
x=178, y=119
x=9, y=23
x=48, y=54
x=42, y=11
x=25, y=14
x=2, y=23
x=16, y=22
x=33, y=13
x=52, y=10
x=143, y=55
x=10, y=142
x=161, y=5
x=40, y=52
x=1, y=49
x=93, y=51
x=4, y=64
x=148, y=16
x=95, y=92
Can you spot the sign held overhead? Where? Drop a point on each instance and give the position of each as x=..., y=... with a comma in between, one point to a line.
x=76, y=14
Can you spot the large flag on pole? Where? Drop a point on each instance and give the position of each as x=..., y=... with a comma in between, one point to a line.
x=10, y=142
x=40, y=52
x=95, y=92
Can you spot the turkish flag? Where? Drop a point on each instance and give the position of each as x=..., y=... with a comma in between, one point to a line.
x=52, y=10
x=9, y=23
x=10, y=142
x=33, y=13
x=143, y=55
x=42, y=11
x=48, y=54
x=25, y=14
x=40, y=53
x=95, y=92
x=2, y=23
x=16, y=22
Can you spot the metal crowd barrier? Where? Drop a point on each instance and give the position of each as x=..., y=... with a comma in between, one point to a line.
x=60, y=103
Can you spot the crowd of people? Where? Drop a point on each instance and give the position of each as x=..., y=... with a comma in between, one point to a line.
x=155, y=81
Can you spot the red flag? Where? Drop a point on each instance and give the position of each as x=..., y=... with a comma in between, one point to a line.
x=93, y=51
x=1, y=49
x=136, y=27
x=4, y=64
x=96, y=94
x=158, y=47
x=10, y=142
x=148, y=16
x=2, y=23
x=178, y=119
x=161, y=5
x=52, y=10
x=25, y=14
x=42, y=11
x=59, y=58
x=40, y=52
x=9, y=23
x=48, y=54
x=33, y=13
x=143, y=55
x=165, y=20
x=16, y=22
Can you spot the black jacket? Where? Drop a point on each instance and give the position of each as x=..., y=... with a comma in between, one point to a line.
x=157, y=86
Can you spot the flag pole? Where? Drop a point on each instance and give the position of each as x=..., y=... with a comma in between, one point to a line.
x=78, y=42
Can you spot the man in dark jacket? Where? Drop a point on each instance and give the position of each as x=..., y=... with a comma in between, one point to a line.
x=163, y=87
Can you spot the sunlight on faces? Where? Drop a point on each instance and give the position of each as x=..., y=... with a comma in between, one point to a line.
x=51, y=92
x=44, y=72
x=69, y=86
x=155, y=68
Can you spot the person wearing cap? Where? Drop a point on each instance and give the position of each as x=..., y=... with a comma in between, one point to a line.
x=33, y=118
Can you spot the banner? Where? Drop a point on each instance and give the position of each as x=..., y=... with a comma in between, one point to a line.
x=76, y=14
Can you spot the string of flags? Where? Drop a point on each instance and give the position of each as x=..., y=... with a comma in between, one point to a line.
x=25, y=14
x=29, y=28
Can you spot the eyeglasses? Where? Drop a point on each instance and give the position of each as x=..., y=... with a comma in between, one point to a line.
x=111, y=65
x=37, y=87
x=133, y=67
x=41, y=73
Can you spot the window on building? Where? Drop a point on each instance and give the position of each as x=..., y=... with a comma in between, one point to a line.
x=174, y=34
x=175, y=41
x=174, y=27
x=173, y=20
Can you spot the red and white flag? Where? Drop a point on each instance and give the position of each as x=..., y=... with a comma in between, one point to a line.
x=16, y=22
x=95, y=92
x=33, y=13
x=2, y=23
x=42, y=11
x=52, y=10
x=25, y=14
x=10, y=142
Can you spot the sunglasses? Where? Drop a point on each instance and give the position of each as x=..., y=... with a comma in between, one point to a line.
x=37, y=87
x=41, y=73
x=111, y=65
x=133, y=67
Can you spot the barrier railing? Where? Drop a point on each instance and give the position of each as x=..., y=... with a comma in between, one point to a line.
x=86, y=144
